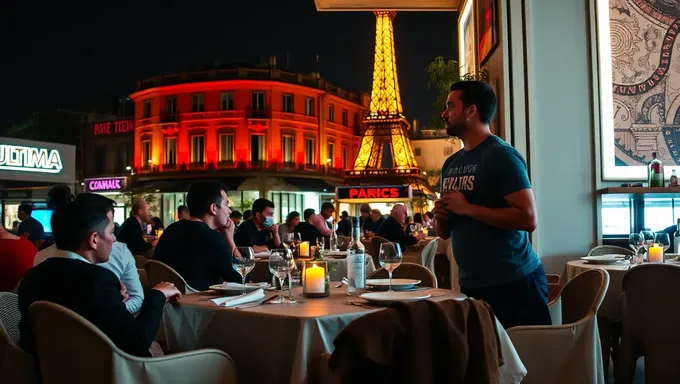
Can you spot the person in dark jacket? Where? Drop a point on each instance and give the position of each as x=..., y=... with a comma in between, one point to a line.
x=132, y=231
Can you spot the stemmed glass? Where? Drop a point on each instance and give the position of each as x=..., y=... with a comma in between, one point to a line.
x=648, y=238
x=663, y=239
x=635, y=240
x=279, y=267
x=320, y=243
x=289, y=239
x=287, y=255
x=390, y=258
x=243, y=261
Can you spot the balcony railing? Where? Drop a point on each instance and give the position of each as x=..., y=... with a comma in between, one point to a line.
x=166, y=117
x=258, y=113
x=254, y=166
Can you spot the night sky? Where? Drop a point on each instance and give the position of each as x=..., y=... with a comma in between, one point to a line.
x=74, y=54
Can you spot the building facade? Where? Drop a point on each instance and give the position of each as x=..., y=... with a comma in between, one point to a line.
x=261, y=132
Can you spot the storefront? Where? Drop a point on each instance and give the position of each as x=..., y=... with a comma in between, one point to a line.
x=381, y=197
x=114, y=189
x=27, y=170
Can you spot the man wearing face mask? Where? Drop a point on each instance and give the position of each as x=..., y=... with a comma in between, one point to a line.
x=259, y=232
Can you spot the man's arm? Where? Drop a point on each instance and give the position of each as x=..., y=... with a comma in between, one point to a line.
x=320, y=224
x=520, y=215
x=441, y=222
x=130, y=278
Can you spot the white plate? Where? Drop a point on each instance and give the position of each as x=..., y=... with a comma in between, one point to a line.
x=397, y=284
x=604, y=259
x=236, y=288
x=393, y=297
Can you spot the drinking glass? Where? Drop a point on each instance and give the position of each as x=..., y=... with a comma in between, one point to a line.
x=636, y=241
x=279, y=267
x=289, y=239
x=647, y=240
x=287, y=254
x=321, y=243
x=662, y=238
x=243, y=261
x=390, y=258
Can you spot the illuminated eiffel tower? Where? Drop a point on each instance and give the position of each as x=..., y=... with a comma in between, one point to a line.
x=385, y=155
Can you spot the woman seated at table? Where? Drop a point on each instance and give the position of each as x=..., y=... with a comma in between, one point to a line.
x=292, y=220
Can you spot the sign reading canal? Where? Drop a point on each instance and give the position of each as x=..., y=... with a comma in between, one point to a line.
x=29, y=159
x=112, y=184
x=374, y=192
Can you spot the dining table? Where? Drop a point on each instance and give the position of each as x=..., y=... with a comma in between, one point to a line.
x=275, y=343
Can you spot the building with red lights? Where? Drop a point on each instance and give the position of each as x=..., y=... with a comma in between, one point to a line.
x=261, y=132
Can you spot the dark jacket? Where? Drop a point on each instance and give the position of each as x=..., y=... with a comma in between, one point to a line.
x=92, y=292
x=130, y=233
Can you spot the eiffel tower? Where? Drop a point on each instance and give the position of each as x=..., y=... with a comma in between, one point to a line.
x=385, y=155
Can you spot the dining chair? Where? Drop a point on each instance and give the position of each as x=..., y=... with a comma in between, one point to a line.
x=159, y=272
x=16, y=366
x=140, y=261
x=72, y=350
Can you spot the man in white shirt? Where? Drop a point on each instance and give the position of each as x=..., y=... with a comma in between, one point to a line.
x=121, y=263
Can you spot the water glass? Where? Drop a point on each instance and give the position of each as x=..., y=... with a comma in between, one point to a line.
x=243, y=261
x=279, y=267
x=390, y=258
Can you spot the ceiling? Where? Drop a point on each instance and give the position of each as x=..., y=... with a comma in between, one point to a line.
x=396, y=5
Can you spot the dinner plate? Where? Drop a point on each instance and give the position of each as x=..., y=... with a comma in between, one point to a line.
x=604, y=259
x=397, y=284
x=394, y=296
x=237, y=288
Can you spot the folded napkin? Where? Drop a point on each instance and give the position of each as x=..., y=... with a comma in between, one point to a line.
x=262, y=254
x=231, y=301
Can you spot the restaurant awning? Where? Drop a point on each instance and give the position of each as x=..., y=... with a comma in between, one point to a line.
x=310, y=185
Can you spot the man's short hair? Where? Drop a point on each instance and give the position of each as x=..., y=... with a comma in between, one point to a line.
x=59, y=196
x=235, y=215
x=327, y=205
x=27, y=208
x=260, y=204
x=365, y=208
x=308, y=213
x=376, y=212
x=247, y=214
x=73, y=223
x=203, y=194
x=182, y=209
x=139, y=204
x=480, y=94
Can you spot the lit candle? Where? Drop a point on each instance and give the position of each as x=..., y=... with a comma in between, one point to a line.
x=304, y=249
x=655, y=254
x=315, y=281
x=159, y=232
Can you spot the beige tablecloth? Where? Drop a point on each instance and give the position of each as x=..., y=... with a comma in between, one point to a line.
x=274, y=343
x=611, y=305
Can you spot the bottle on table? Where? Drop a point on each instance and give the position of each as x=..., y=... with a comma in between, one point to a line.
x=333, y=239
x=674, y=179
x=655, y=172
x=356, y=261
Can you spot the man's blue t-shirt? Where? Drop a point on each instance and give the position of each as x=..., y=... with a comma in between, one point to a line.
x=488, y=256
x=34, y=229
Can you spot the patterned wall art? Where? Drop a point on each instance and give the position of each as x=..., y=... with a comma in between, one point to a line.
x=640, y=85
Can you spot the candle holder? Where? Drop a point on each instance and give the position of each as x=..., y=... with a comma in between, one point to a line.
x=303, y=249
x=315, y=279
x=655, y=253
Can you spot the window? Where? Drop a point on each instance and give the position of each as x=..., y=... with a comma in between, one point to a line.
x=309, y=151
x=345, y=157
x=257, y=154
x=197, y=102
x=416, y=151
x=309, y=106
x=257, y=101
x=171, y=105
x=356, y=120
x=227, y=101
x=146, y=153
x=197, y=149
x=288, y=103
x=616, y=215
x=124, y=157
x=226, y=147
x=288, y=148
x=100, y=159
x=171, y=151
x=331, y=112
x=146, y=108
x=331, y=155
x=344, y=118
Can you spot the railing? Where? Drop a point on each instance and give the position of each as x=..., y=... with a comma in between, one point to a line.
x=259, y=113
x=273, y=74
x=166, y=117
x=255, y=166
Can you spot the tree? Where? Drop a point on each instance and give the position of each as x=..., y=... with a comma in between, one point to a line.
x=434, y=178
x=442, y=75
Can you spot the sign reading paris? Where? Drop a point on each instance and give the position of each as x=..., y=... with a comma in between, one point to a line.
x=29, y=159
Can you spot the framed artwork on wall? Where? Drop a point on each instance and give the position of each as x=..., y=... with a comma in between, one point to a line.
x=467, y=43
x=486, y=13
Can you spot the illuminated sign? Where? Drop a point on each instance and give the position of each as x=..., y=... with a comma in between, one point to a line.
x=113, y=127
x=111, y=184
x=29, y=159
x=374, y=192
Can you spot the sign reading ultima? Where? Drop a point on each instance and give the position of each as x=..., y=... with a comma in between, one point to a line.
x=29, y=159
x=374, y=192
x=112, y=184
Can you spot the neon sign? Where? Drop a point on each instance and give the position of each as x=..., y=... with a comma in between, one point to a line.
x=377, y=192
x=113, y=127
x=29, y=159
x=105, y=185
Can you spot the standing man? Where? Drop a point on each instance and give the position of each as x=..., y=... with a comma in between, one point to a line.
x=487, y=200
x=30, y=228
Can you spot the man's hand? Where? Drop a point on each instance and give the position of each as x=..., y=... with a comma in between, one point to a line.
x=455, y=202
x=228, y=229
x=420, y=236
x=168, y=290
x=440, y=212
x=123, y=292
x=274, y=228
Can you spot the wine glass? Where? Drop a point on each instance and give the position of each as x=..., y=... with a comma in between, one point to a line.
x=320, y=243
x=636, y=241
x=390, y=258
x=647, y=239
x=289, y=239
x=663, y=239
x=279, y=267
x=287, y=254
x=243, y=261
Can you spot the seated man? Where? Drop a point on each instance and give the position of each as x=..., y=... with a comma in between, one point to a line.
x=392, y=228
x=259, y=232
x=199, y=248
x=83, y=232
x=308, y=229
x=30, y=228
x=130, y=232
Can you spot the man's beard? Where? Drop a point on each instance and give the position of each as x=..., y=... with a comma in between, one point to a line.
x=455, y=129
